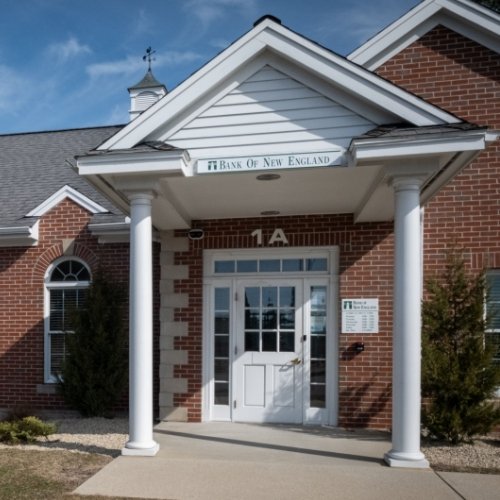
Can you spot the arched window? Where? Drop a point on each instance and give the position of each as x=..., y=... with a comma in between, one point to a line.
x=66, y=283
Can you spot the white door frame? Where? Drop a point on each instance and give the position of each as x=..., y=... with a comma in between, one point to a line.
x=229, y=280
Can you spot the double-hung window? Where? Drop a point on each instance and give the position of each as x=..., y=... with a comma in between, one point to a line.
x=493, y=312
x=66, y=284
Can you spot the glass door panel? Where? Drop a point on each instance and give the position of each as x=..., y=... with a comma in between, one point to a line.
x=318, y=310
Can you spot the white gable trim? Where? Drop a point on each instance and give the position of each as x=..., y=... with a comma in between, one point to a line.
x=462, y=16
x=268, y=38
x=60, y=195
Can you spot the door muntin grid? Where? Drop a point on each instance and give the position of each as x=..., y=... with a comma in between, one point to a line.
x=269, y=321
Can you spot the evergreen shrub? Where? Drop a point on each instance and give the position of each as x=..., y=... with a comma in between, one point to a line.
x=459, y=377
x=94, y=373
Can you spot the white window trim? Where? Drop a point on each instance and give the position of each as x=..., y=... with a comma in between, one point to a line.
x=490, y=272
x=492, y=330
x=48, y=286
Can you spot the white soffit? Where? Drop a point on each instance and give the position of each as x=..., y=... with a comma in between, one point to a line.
x=462, y=16
x=72, y=194
x=278, y=46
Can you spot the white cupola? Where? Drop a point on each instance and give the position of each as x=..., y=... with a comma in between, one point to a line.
x=145, y=93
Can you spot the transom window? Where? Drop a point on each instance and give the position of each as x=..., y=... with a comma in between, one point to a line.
x=70, y=270
x=66, y=288
x=291, y=265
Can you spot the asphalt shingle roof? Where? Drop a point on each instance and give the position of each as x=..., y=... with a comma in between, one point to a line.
x=33, y=166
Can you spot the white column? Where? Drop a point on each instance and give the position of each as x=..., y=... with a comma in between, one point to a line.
x=141, y=329
x=405, y=450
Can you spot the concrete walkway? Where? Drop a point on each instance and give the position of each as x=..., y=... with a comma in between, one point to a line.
x=221, y=461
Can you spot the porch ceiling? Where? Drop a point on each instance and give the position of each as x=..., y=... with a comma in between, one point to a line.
x=305, y=191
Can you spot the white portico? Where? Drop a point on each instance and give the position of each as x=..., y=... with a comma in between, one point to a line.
x=336, y=139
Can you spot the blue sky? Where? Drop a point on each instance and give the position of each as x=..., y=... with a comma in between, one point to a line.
x=68, y=63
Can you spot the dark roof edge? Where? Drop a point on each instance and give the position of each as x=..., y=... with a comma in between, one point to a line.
x=55, y=131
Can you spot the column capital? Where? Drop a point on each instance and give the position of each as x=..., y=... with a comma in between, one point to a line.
x=405, y=182
x=140, y=197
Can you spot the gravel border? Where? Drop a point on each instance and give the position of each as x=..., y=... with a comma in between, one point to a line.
x=483, y=456
x=108, y=436
x=88, y=435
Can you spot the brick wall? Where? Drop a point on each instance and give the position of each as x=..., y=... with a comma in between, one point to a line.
x=62, y=231
x=462, y=77
x=366, y=253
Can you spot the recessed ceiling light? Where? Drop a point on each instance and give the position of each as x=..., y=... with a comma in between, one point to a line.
x=268, y=177
x=270, y=212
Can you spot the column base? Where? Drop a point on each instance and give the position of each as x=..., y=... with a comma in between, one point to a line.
x=409, y=460
x=140, y=450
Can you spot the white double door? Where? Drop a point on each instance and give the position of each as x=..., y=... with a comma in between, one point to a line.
x=268, y=366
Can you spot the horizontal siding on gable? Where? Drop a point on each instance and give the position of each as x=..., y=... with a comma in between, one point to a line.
x=270, y=110
x=279, y=107
x=265, y=137
x=312, y=126
x=266, y=96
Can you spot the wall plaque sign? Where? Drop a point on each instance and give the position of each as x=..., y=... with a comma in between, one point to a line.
x=269, y=162
x=359, y=315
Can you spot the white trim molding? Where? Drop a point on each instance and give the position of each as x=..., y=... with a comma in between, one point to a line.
x=63, y=193
x=111, y=232
x=19, y=236
x=462, y=16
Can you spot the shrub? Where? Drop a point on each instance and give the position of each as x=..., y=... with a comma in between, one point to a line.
x=24, y=430
x=94, y=373
x=458, y=374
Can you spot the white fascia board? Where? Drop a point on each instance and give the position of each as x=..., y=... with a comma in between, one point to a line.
x=63, y=193
x=157, y=162
x=292, y=47
x=465, y=17
x=364, y=151
x=111, y=232
x=20, y=236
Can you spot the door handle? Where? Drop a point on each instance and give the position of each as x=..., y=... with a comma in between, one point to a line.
x=295, y=361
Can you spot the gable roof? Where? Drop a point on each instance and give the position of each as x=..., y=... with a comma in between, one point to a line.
x=462, y=16
x=34, y=168
x=236, y=116
x=271, y=43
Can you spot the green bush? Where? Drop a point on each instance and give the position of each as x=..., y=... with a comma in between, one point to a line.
x=24, y=430
x=94, y=373
x=458, y=374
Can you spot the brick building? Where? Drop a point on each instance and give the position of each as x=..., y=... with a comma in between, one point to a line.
x=284, y=186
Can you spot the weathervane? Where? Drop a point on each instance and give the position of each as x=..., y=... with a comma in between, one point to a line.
x=148, y=57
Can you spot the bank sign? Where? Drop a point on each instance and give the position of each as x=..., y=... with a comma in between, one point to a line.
x=360, y=315
x=270, y=162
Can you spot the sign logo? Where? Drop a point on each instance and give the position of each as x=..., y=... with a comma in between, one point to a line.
x=270, y=162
